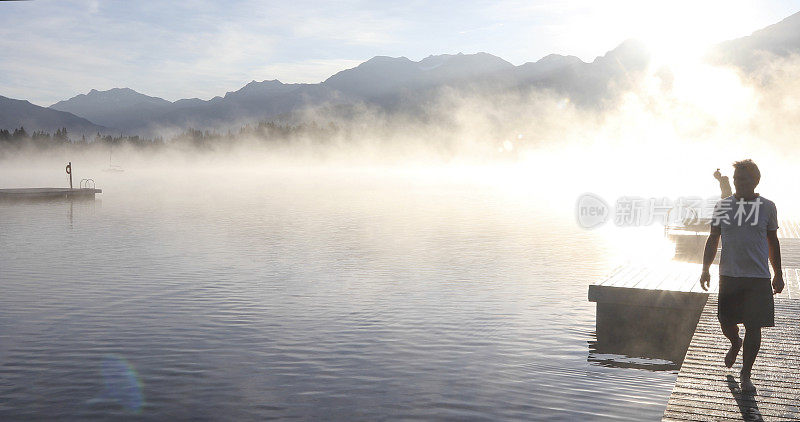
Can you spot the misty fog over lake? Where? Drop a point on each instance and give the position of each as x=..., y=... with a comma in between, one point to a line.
x=315, y=293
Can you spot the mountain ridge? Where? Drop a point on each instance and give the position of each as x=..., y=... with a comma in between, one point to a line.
x=399, y=84
x=382, y=81
x=16, y=113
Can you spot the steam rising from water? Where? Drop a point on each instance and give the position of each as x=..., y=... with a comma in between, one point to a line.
x=662, y=137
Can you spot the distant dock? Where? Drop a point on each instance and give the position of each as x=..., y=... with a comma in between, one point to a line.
x=47, y=193
x=86, y=190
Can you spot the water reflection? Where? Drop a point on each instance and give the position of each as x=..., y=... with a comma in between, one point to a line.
x=629, y=355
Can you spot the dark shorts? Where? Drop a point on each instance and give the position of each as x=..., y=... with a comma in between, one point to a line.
x=746, y=300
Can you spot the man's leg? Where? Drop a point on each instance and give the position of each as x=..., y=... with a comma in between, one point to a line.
x=731, y=331
x=752, y=343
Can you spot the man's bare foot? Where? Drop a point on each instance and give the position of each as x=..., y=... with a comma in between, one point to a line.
x=747, y=384
x=730, y=358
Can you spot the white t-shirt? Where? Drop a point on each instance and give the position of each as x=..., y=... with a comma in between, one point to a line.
x=744, y=225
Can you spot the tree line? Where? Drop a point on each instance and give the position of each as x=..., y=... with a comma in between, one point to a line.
x=263, y=132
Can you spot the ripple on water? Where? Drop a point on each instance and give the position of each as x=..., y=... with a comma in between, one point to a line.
x=278, y=305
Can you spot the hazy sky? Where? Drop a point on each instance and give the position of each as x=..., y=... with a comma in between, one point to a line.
x=53, y=50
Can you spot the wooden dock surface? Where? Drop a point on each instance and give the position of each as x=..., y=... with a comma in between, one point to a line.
x=787, y=229
x=669, y=275
x=708, y=391
x=47, y=193
x=679, y=277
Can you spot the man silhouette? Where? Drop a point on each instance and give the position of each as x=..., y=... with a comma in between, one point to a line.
x=748, y=224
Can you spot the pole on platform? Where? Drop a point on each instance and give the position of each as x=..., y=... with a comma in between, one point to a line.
x=69, y=172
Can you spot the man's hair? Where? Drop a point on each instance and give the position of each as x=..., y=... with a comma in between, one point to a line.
x=751, y=168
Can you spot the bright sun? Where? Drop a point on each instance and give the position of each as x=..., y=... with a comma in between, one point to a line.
x=678, y=36
x=681, y=31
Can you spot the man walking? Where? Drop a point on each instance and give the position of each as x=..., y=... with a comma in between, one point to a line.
x=748, y=224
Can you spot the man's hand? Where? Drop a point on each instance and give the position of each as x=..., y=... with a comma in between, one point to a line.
x=777, y=283
x=705, y=280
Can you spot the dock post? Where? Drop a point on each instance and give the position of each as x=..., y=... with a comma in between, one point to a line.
x=69, y=172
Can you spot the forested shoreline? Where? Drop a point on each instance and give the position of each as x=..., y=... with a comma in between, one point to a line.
x=264, y=132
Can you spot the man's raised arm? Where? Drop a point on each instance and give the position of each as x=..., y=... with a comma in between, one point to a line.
x=709, y=254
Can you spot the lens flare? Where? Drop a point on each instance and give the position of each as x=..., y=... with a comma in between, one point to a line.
x=121, y=384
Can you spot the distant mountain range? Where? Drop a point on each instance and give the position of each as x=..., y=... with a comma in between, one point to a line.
x=16, y=113
x=396, y=85
x=751, y=52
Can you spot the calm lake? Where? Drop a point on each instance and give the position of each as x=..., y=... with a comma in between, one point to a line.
x=310, y=293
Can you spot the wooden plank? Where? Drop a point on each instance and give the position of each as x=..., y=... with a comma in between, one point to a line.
x=791, y=276
x=688, y=275
x=633, y=278
x=649, y=278
x=629, y=277
x=624, y=277
x=672, y=276
x=616, y=273
x=707, y=390
x=623, y=272
x=794, y=229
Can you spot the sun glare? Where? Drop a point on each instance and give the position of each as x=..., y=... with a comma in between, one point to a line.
x=682, y=31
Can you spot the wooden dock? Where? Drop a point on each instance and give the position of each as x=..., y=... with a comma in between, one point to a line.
x=787, y=229
x=649, y=309
x=660, y=311
x=673, y=277
x=708, y=391
x=47, y=193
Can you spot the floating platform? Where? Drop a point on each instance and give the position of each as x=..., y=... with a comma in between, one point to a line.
x=47, y=193
x=708, y=391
